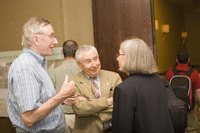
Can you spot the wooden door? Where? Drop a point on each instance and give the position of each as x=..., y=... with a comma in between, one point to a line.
x=117, y=20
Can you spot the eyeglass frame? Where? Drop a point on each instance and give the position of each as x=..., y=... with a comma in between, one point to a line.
x=118, y=54
x=52, y=35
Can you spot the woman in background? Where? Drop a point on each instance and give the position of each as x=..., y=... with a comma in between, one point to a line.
x=140, y=102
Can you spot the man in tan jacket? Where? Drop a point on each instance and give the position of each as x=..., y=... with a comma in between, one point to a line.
x=93, y=110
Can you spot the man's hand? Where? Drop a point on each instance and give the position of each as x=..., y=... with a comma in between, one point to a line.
x=69, y=101
x=68, y=88
x=110, y=101
x=82, y=98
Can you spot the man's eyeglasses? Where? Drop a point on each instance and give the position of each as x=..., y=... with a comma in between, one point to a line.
x=51, y=36
x=118, y=54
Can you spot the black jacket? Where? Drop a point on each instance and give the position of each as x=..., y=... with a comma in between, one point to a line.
x=140, y=106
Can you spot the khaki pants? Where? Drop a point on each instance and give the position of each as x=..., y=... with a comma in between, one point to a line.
x=192, y=122
x=69, y=120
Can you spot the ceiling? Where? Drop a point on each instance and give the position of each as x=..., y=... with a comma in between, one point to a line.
x=186, y=6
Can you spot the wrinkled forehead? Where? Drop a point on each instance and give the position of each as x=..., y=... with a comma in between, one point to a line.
x=89, y=54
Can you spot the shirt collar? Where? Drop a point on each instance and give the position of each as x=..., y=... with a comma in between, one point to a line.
x=182, y=65
x=40, y=59
x=96, y=78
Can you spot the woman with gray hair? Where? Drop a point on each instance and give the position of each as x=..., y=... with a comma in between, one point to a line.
x=140, y=102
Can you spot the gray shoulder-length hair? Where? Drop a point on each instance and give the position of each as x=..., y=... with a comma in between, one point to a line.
x=83, y=48
x=138, y=57
x=33, y=26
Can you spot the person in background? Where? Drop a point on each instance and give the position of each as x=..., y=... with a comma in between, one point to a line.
x=70, y=68
x=32, y=102
x=140, y=101
x=94, y=92
x=182, y=60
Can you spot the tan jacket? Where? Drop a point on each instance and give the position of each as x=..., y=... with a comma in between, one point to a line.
x=92, y=113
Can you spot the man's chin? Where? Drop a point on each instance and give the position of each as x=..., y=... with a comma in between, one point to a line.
x=93, y=75
x=48, y=55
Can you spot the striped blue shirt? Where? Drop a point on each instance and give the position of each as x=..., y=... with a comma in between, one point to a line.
x=29, y=85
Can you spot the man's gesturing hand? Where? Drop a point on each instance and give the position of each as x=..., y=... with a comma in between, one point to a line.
x=68, y=88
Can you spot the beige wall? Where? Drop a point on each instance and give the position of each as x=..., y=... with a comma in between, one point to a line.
x=78, y=21
x=71, y=19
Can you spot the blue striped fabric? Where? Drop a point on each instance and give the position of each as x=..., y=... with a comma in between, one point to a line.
x=29, y=85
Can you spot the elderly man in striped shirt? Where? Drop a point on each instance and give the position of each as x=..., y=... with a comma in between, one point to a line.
x=32, y=103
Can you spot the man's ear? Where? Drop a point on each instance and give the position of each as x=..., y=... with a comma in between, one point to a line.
x=79, y=64
x=188, y=60
x=177, y=61
x=35, y=40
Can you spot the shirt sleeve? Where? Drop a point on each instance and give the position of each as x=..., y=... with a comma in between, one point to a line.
x=169, y=75
x=26, y=89
x=195, y=79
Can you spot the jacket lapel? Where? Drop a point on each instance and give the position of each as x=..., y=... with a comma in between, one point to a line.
x=85, y=84
x=104, y=80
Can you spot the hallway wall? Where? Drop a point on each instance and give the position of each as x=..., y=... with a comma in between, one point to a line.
x=166, y=13
x=167, y=50
x=192, y=22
